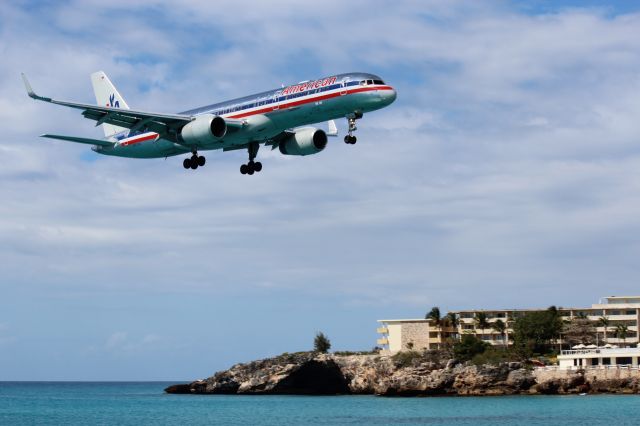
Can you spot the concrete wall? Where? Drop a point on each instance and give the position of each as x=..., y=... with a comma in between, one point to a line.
x=591, y=374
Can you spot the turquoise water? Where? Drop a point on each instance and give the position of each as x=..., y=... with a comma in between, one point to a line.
x=145, y=403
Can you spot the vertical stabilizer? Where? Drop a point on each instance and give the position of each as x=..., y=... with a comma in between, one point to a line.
x=107, y=95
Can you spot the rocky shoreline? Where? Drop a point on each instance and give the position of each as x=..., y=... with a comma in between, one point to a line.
x=310, y=373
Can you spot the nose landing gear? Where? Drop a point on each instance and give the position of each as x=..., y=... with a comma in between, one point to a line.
x=194, y=162
x=351, y=119
x=252, y=166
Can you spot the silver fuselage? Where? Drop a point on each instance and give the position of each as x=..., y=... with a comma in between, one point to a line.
x=268, y=114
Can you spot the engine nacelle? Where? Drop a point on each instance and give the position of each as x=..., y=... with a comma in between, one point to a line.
x=206, y=128
x=304, y=142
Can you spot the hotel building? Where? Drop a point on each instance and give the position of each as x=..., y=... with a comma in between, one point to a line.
x=418, y=334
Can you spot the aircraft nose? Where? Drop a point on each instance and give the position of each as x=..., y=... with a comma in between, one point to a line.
x=389, y=96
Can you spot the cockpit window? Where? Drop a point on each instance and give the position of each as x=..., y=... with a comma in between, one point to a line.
x=369, y=81
x=378, y=82
x=363, y=83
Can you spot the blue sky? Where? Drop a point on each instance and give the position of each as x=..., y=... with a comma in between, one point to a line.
x=505, y=175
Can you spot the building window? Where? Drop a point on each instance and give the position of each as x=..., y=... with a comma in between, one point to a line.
x=630, y=312
x=623, y=360
x=606, y=361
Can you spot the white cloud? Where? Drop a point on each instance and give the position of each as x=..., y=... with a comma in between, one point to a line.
x=505, y=174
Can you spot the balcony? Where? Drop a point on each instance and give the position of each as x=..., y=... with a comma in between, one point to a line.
x=382, y=330
x=383, y=341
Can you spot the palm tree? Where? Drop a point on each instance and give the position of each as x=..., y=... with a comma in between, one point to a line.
x=452, y=319
x=621, y=333
x=604, y=322
x=434, y=314
x=501, y=328
x=481, y=321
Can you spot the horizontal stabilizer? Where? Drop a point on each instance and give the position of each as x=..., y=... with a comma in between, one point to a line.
x=88, y=141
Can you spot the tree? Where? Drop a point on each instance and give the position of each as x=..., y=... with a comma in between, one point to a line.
x=434, y=314
x=580, y=330
x=468, y=347
x=604, y=322
x=321, y=343
x=621, y=333
x=500, y=327
x=481, y=321
x=451, y=319
x=534, y=331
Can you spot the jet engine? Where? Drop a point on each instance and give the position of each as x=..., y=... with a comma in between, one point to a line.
x=304, y=142
x=204, y=129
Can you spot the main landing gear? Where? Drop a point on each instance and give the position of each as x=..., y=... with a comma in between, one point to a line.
x=194, y=162
x=252, y=166
x=351, y=119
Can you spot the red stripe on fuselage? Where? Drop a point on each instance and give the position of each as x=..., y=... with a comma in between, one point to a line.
x=140, y=139
x=314, y=99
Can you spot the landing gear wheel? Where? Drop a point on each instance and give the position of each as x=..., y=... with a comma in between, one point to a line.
x=353, y=140
x=244, y=169
x=186, y=163
x=350, y=139
x=347, y=139
x=250, y=170
x=201, y=161
x=257, y=166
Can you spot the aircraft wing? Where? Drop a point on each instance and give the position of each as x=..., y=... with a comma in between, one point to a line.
x=165, y=124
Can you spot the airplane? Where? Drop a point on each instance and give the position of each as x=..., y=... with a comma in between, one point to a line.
x=278, y=118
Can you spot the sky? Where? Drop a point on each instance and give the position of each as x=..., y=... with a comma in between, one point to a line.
x=505, y=175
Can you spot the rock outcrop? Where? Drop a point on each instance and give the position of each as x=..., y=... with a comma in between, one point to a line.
x=321, y=374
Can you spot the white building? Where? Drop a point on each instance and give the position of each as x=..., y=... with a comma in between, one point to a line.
x=599, y=357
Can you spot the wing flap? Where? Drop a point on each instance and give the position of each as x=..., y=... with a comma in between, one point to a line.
x=87, y=141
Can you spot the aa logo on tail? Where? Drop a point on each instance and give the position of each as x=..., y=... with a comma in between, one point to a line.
x=112, y=101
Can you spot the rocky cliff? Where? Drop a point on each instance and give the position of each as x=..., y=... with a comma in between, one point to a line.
x=321, y=374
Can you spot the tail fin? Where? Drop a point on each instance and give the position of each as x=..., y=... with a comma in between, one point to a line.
x=107, y=95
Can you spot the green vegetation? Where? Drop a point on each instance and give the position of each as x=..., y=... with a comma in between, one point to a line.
x=321, y=343
x=468, y=347
x=451, y=320
x=481, y=320
x=534, y=332
x=406, y=358
x=621, y=333
x=493, y=355
x=434, y=314
x=579, y=330
x=500, y=327
x=604, y=322
x=374, y=351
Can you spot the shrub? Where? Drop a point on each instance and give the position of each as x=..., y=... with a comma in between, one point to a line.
x=493, y=356
x=468, y=347
x=405, y=358
x=321, y=343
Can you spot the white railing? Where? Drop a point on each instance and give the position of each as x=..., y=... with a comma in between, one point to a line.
x=604, y=351
x=588, y=367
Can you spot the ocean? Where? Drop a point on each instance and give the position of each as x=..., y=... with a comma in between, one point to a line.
x=69, y=403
